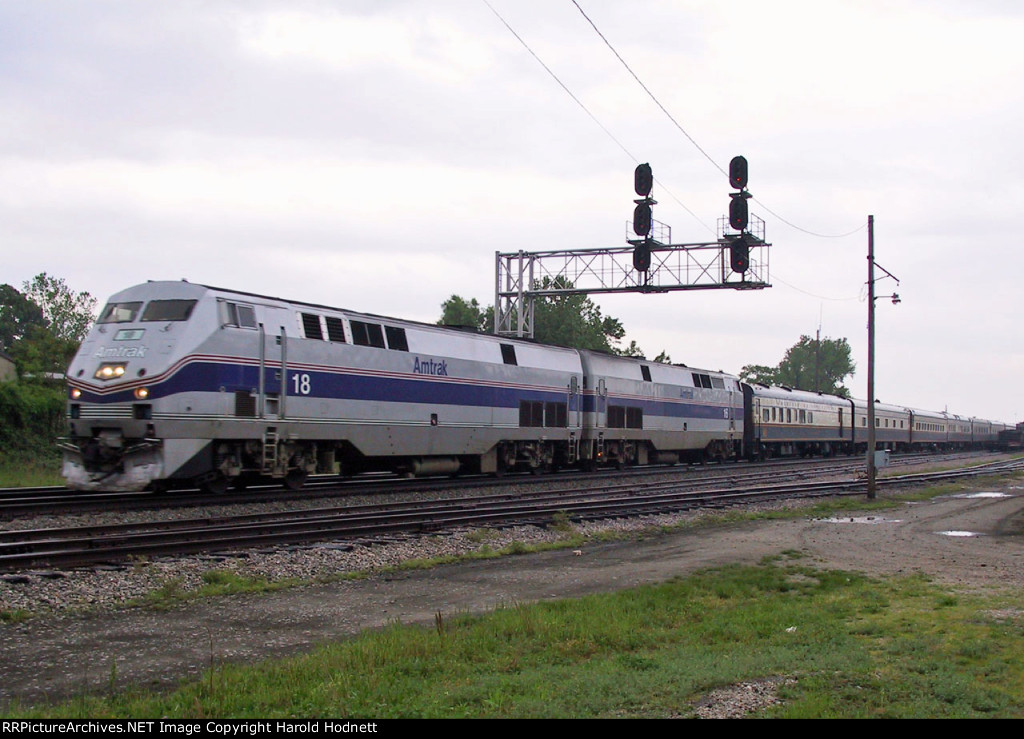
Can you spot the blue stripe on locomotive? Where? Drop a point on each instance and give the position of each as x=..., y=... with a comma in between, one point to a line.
x=202, y=376
x=214, y=376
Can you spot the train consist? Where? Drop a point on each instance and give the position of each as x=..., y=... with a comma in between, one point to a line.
x=183, y=384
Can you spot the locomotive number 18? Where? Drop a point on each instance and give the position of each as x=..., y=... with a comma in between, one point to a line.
x=301, y=383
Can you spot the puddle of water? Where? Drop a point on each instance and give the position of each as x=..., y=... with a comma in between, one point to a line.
x=981, y=495
x=861, y=519
x=964, y=534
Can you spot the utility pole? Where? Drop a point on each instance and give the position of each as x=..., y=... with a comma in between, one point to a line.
x=871, y=352
x=871, y=358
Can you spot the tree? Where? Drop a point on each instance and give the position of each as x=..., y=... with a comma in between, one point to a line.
x=815, y=365
x=457, y=311
x=68, y=314
x=566, y=320
x=42, y=327
x=18, y=314
x=759, y=374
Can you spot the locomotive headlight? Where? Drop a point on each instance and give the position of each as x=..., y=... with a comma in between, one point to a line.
x=110, y=371
x=142, y=393
x=75, y=393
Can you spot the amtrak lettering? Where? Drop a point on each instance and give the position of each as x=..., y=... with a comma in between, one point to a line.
x=429, y=367
x=120, y=352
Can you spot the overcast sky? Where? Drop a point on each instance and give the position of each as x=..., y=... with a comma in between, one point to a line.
x=374, y=155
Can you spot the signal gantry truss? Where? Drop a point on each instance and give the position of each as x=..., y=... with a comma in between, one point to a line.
x=522, y=277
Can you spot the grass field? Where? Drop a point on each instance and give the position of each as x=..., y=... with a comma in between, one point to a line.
x=817, y=643
x=834, y=644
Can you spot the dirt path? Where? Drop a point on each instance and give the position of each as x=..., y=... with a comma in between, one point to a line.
x=52, y=658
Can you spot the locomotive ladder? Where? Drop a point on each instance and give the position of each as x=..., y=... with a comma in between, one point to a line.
x=270, y=450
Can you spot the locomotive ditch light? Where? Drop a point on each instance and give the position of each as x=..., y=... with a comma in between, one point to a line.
x=141, y=393
x=75, y=393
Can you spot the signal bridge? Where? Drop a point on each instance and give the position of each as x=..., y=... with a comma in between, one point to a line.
x=522, y=277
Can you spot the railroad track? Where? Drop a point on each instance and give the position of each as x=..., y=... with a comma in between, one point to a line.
x=20, y=502
x=349, y=525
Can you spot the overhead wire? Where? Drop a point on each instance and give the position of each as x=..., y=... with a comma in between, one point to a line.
x=691, y=139
x=628, y=153
x=588, y=112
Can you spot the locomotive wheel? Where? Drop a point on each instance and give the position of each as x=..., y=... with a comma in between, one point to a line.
x=295, y=479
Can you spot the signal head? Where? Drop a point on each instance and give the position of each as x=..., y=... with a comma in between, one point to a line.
x=642, y=219
x=643, y=180
x=738, y=172
x=738, y=213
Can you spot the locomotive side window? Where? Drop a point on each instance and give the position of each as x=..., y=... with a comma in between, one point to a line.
x=531, y=413
x=701, y=380
x=335, y=329
x=367, y=334
x=119, y=313
x=625, y=417
x=241, y=315
x=718, y=383
x=396, y=338
x=646, y=372
x=556, y=415
x=508, y=354
x=311, y=326
x=634, y=418
x=168, y=310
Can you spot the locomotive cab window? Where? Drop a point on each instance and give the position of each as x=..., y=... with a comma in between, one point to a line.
x=119, y=313
x=508, y=354
x=168, y=310
x=645, y=371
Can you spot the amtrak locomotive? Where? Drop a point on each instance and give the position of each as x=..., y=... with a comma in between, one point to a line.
x=183, y=384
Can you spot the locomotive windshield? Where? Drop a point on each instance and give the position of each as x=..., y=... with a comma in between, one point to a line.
x=119, y=313
x=168, y=310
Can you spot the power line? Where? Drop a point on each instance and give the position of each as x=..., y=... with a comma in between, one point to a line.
x=645, y=89
x=587, y=111
x=692, y=140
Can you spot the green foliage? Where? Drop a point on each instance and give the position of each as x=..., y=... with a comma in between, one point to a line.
x=32, y=419
x=759, y=374
x=42, y=328
x=566, y=320
x=834, y=644
x=457, y=311
x=18, y=315
x=815, y=365
x=68, y=314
